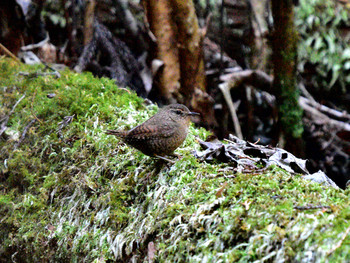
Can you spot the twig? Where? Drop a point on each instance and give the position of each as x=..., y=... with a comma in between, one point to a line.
x=36, y=45
x=227, y=95
x=55, y=72
x=306, y=93
x=36, y=74
x=339, y=243
x=222, y=188
x=24, y=133
x=165, y=159
x=4, y=120
x=9, y=53
x=17, y=102
x=316, y=114
x=151, y=252
x=206, y=26
x=332, y=112
x=66, y=121
x=230, y=141
x=127, y=90
x=246, y=157
x=310, y=207
x=32, y=109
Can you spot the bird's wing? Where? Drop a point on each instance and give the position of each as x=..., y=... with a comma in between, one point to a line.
x=151, y=131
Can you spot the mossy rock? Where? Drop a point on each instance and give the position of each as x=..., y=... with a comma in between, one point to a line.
x=71, y=193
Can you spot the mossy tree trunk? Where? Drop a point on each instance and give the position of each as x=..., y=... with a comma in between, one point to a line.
x=284, y=43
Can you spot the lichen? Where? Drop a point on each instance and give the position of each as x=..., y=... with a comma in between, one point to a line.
x=85, y=196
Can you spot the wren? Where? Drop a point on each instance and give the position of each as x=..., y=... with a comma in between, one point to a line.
x=161, y=134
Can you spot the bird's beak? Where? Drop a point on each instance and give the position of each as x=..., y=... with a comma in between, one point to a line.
x=193, y=113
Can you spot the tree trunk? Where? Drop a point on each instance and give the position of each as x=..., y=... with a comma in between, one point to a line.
x=284, y=44
x=89, y=16
x=164, y=29
x=193, y=82
x=190, y=48
x=179, y=45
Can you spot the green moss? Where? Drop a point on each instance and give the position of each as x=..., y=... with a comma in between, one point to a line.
x=82, y=195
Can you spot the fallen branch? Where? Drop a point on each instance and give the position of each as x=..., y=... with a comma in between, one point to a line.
x=260, y=80
x=305, y=92
x=321, y=118
x=331, y=112
x=36, y=45
x=256, y=78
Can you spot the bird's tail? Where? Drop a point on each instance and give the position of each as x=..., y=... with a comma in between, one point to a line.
x=120, y=134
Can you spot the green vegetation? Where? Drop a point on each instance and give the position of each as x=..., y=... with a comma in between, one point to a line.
x=323, y=47
x=72, y=194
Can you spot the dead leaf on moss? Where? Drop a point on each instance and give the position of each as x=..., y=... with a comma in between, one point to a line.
x=248, y=157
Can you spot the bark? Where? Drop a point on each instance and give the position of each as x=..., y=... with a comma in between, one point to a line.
x=284, y=45
x=164, y=29
x=193, y=82
x=190, y=48
x=179, y=45
x=89, y=21
x=260, y=50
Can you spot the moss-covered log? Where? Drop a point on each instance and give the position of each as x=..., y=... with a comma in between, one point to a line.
x=71, y=193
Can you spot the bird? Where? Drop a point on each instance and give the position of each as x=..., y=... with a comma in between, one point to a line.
x=161, y=134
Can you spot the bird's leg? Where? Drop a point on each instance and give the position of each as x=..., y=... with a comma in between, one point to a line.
x=178, y=156
x=165, y=159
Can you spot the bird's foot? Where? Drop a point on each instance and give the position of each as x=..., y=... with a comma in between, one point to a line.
x=165, y=159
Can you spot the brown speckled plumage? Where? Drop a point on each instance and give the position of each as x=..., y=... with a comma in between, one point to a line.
x=161, y=134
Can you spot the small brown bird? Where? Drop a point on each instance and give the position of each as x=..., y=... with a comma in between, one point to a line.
x=161, y=134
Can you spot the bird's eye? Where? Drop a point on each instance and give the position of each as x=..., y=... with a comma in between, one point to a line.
x=178, y=112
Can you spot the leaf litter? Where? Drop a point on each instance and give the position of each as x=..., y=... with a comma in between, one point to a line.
x=247, y=157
